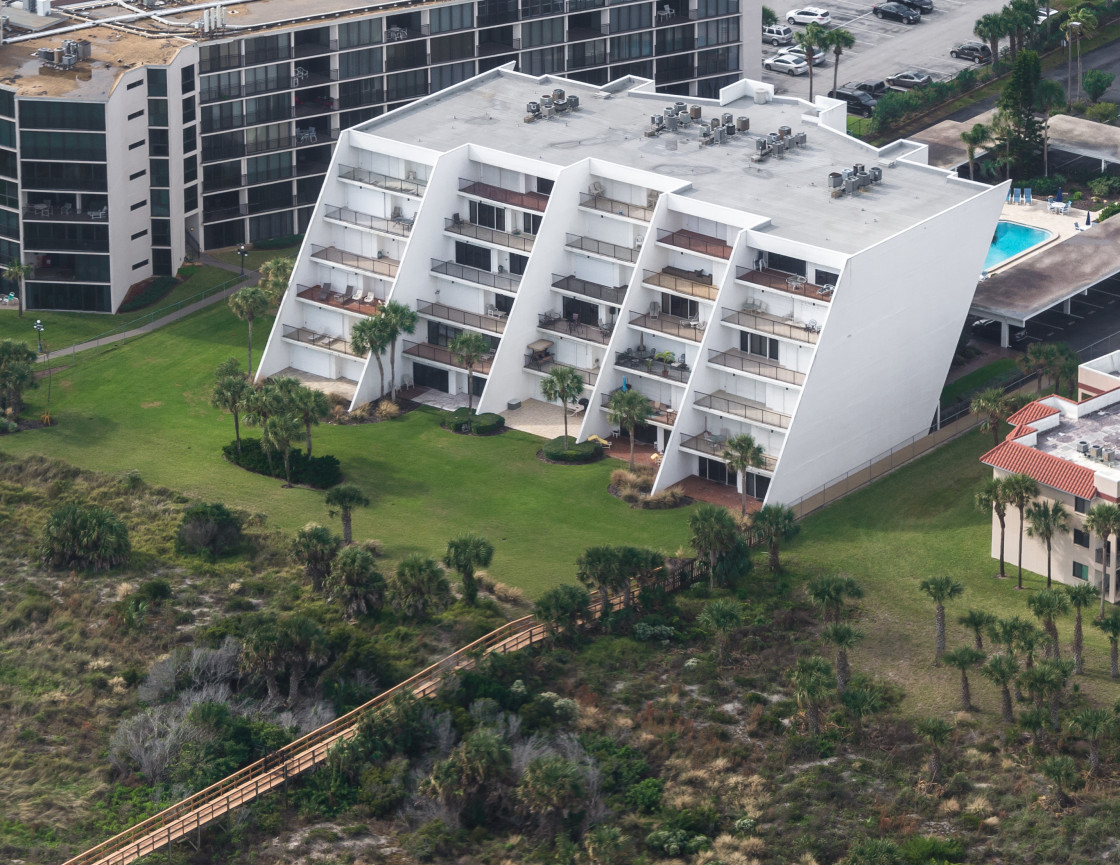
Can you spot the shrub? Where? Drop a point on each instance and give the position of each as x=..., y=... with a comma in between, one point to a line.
x=1111, y=210
x=919, y=849
x=209, y=529
x=387, y=410
x=645, y=632
x=481, y=424
x=155, y=290
x=81, y=537
x=668, y=498
x=575, y=452
x=1101, y=112
x=646, y=795
x=319, y=472
x=131, y=480
x=278, y=242
x=154, y=591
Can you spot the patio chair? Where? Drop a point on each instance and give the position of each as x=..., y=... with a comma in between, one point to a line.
x=1008, y=196
x=654, y=309
x=1017, y=195
x=351, y=294
x=1027, y=197
x=371, y=296
x=323, y=292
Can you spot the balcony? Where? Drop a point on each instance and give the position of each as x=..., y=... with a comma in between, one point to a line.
x=574, y=285
x=545, y=365
x=662, y=415
x=518, y=241
x=442, y=312
x=642, y=360
x=601, y=248
x=679, y=281
x=442, y=355
x=754, y=365
x=382, y=267
x=762, y=322
x=694, y=242
x=616, y=208
x=404, y=186
x=600, y=335
x=349, y=300
x=790, y=283
x=535, y=201
x=63, y=213
x=317, y=339
x=500, y=281
x=399, y=227
x=731, y=405
x=713, y=445
x=661, y=322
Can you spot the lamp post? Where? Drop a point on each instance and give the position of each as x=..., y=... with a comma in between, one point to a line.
x=242, y=251
x=39, y=328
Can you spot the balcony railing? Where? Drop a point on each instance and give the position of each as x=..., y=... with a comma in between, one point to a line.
x=785, y=328
x=501, y=281
x=643, y=360
x=403, y=185
x=575, y=285
x=790, y=283
x=619, y=208
x=522, y=242
x=315, y=338
x=599, y=247
x=490, y=323
x=546, y=365
x=714, y=445
x=737, y=406
x=662, y=414
x=399, y=227
x=441, y=354
x=536, y=201
x=670, y=279
x=682, y=328
x=385, y=267
x=55, y=213
x=348, y=299
x=694, y=242
x=600, y=335
x=743, y=362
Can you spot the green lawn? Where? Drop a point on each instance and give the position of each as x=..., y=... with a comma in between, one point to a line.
x=146, y=406
x=63, y=329
x=256, y=257
x=990, y=375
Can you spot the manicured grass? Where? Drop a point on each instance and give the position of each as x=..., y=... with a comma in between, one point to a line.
x=63, y=329
x=146, y=406
x=256, y=257
x=991, y=374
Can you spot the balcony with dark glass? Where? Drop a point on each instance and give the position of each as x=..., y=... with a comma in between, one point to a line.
x=382, y=266
x=572, y=284
x=535, y=201
x=514, y=240
x=601, y=248
x=495, y=323
x=378, y=224
x=401, y=185
x=500, y=281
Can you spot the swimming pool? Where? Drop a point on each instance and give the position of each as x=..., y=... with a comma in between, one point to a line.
x=1010, y=239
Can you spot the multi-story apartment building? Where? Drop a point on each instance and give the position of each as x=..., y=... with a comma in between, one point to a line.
x=741, y=261
x=1072, y=451
x=130, y=139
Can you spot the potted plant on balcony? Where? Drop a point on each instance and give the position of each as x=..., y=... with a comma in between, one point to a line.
x=649, y=364
x=666, y=358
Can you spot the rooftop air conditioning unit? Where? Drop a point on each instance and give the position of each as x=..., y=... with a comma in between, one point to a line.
x=1098, y=452
x=1083, y=447
x=573, y=102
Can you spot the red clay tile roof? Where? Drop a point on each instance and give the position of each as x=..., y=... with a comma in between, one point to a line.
x=1035, y=411
x=1019, y=432
x=1049, y=470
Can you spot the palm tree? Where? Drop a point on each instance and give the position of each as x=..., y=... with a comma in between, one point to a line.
x=18, y=271
x=550, y=789
x=562, y=610
x=398, y=319
x=275, y=274
x=1047, y=605
x=977, y=621
x=936, y=733
x=1094, y=725
x=1021, y=490
x=636, y=564
x=342, y=500
x=1048, y=97
x=420, y=587
x=1080, y=596
x=814, y=36
x=465, y=554
x=828, y=594
x=1110, y=626
x=993, y=407
x=355, y=583
x=990, y=28
x=714, y=534
x=1053, y=676
x=862, y=703
x=277, y=434
x=773, y=524
x=310, y=406
x=812, y=680
x=1001, y=671
x=371, y=336
x=974, y=139
x=941, y=590
x=565, y=384
x=837, y=39
x=720, y=618
x=742, y=453
x=248, y=304
x=1037, y=360
x=844, y=637
x=468, y=348
x=302, y=645
x=232, y=393
x=1087, y=27
x=1035, y=722
x=597, y=569
x=261, y=652
x=964, y=658
x=482, y=758
x=628, y=409
x=1103, y=520
x=1047, y=519
x=992, y=496
x=1062, y=773
x=315, y=547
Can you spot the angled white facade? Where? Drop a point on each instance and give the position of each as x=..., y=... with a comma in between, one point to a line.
x=809, y=288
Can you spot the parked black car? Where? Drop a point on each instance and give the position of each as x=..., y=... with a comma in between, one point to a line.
x=858, y=102
x=897, y=12
x=874, y=89
x=922, y=6
x=977, y=52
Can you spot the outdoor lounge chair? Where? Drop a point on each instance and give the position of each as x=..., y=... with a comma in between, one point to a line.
x=324, y=291
x=371, y=296
x=1027, y=197
x=1017, y=195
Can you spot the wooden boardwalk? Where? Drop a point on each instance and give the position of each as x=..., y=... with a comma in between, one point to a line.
x=257, y=779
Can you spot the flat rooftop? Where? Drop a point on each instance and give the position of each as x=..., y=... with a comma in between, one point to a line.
x=610, y=124
x=1101, y=427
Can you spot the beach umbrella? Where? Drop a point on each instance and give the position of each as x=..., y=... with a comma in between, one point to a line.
x=1088, y=218
x=1058, y=197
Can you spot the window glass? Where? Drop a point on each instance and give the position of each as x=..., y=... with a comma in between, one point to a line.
x=359, y=64
x=447, y=18
x=355, y=34
x=62, y=115
x=633, y=17
x=547, y=32
x=80, y=146
x=157, y=82
x=445, y=76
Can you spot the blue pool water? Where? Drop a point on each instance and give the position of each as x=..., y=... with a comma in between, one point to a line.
x=1012, y=238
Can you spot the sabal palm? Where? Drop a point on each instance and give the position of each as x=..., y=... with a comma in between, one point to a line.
x=565, y=384
x=468, y=349
x=342, y=500
x=774, y=524
x=829, y=592
x=812, y=680
x=1048, y=97
x=992, y=497
x=941, y=590
x=1110, y=626
x=714, y=533
x=861, y=702
x=355, y=583
x=419, y=588
x=398, y=320
x=814, y=36
x=974, y=139
x=310, y=406
x=1080, y=596
x=465, y=554
x=231, y=394
x=935, y=732
x=275, y=274
x=1037, y=360
x=1047, y=605
x=303, y=645
x=837, y=39
x=18, y=271
x=277, y=435
x=597, y=569
x=635, y=564
x=720, y=618
x=977, y=621
x=371, y=336
x=993, y=407
x=742, y=453
x=1094, y=725
x=551, y=788
x=844, y=637
x=261, y=652
x=1021, y=490
x=964, y=658
x=1103, y=520
x=1001, y=671
x=991, y=28
x=248, y=304
x=315, y=547
x=1047, y=519
x=628, y=409
x=1061, y=771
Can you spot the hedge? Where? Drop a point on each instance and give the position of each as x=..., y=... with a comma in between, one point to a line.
x=574, y=452
x=319, y=472
x=481, y=424
x=155, y=290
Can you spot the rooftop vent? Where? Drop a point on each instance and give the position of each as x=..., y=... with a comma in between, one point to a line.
x=742, y=124
x=1083, y=447
x=1098, y=451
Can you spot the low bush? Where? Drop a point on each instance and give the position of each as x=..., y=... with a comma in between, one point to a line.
x=387, y=410
x=564, y=450
x=669, y=498
x=319, y=472
x=209, y=529
x=81, y=537
x=1111, y=210
x=153, y=291
x=481, y=424
x=1101, y=112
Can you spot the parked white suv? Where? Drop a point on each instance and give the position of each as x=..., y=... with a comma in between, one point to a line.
x=809, y=15
x=777, y=34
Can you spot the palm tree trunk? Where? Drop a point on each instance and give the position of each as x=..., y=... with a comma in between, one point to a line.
x=393, y=371
x=1078, y=645
x=809, y=57
x=631, y=430
x=1094, y=756
x=307, y=424
x=979, y=641
x=1002, y=539
x=843, y=671
x=1052, y=630
x=939, y=649
x=813, y=716
x=966, y=692
x=293, y=683
x=836, y=70
x=470, y=399
x=288, y=466
x=1114, y=658
x=743, y=480
x=381, y=372
x=273, y=686
x=237, y=431
x=935, y=766
x=1020, y=586
x=1008, y=711
x=1048, y=564
x=1046, y=144
x=1055, y=700
x=775, y=563
x=564, y=409
x=250, y=349
x=604, y=602
x=347, y=521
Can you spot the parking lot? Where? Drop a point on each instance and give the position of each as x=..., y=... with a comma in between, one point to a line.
x=1092, y=317
x=885, y=47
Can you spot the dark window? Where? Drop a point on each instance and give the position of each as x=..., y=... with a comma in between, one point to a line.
x=472, y=256
x=632, y=47
x=643, y=69
x=136, y=114
x=9, y=165
x=366, y=91
x=157, y=142
x=161, y=171
x=157, y=82
x=161, y=232
x=266, y=49
x=157, y=112
x=224, y=115
x=226, y=145
x=447, y=18
x=356, y=34
x=225, y=233
x=214, y=58
x=275, y=166
x=268, y=109
x=140, y=264
x=138, y=205
x=272, y=197
x=62, y=295
x=715, y=471
x=491, y=12
x=448, y=48
x=537, y=8
x=63, y=175
x=531, y=223
x=635, y=17
x=190, y=139
x=825, y=277
x=190, y=198
x=7, y=134
x=78, y=146
x=161, y=262
x=430, y=377
x=133, y=85
x=588, y=312
x=1080, y=571
x=190, y=169
x=544, y=61
x=136, y=144
x=763, y=346
x=409, y=55
x=137, y=174
x=1080, y=505
x=9, y=224
x=581, y=54
x=223, y=85
x=188, y=109
x=488, y=215
x=62, y=115
x=270, y=225
x=187, y=79
x=785, y=263
x=161, y=202
x=717, y=61
x=361, y=64
x=352, y=118
x=9, y=194
x=406, y=85
x=517, y=263
x=670, y=40
x=7, y=103
x=139, y=234
x=1081, y=538
x=544, y=185
x=721, y=32
x=547, y=32
x=715, y=8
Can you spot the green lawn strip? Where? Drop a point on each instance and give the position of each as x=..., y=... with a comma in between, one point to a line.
x=256, y=257
x=988, y=375
x=920, y=522
x=145, y=406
